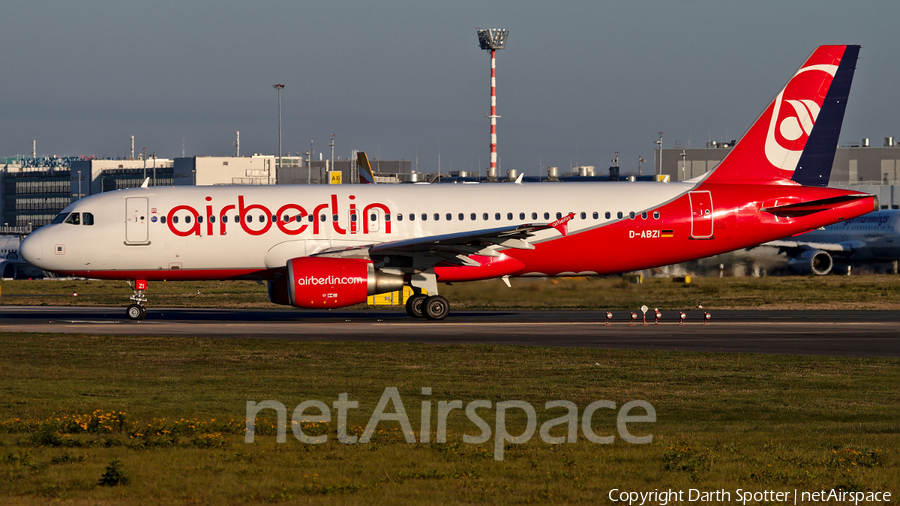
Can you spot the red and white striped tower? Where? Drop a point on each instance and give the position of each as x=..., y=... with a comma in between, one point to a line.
x=493, y=113
x=492, y=40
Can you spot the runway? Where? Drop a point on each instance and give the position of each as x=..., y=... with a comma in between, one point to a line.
x=837, y=333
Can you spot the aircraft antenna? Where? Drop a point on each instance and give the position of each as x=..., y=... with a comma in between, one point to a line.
x=491, y=40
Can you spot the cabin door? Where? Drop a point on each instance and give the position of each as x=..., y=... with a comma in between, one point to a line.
x=137, y=221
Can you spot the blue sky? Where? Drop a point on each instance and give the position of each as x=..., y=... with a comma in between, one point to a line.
x=577, y=82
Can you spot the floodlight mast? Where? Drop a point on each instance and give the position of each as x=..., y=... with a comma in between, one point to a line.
x=491, y=40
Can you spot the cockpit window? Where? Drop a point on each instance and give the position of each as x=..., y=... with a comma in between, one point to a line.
x=74, y=219
x=87, y=219
x=59, y=218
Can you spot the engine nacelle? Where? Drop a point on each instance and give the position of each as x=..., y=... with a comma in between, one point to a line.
x=817, y=262
x=321, y=282
x=19, y=270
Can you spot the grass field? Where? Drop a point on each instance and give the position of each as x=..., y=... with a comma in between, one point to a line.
x=161, y=420
x=142, y=420
x=794, y=292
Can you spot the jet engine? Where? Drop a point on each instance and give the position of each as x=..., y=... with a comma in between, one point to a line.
x=816, y=261
x=321, y=282
x=19, y=270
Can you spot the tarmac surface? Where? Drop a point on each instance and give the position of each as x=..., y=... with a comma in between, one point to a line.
x=836, y=333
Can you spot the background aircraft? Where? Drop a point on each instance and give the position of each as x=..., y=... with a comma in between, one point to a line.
x=872, y=238
x=12, y=266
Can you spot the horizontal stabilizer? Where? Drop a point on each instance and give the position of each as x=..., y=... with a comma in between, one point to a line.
x=814, y=206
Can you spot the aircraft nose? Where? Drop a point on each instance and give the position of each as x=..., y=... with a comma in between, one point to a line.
x=31, y=248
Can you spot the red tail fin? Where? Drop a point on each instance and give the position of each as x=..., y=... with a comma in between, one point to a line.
x=768, y=153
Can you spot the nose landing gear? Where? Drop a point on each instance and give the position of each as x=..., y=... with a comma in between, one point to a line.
x=137, y=311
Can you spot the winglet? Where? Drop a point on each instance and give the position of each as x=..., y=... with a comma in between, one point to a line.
x=146, y=183
x=519, y=179
x=562, y=224
x=366, y=176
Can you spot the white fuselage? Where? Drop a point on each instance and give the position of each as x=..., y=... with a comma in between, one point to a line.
x=243, y=228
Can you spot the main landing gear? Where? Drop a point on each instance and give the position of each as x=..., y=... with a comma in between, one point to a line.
x=431, y=307
x=137, y=311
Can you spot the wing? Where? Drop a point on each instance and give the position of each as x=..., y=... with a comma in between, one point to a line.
x=456, y=248
x=832, y=247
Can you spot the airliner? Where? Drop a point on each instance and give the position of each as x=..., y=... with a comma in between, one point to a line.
x=11, y=265
x=872, y=238
x=331, y=246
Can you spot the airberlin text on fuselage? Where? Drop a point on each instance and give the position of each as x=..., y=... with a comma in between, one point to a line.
x=296, y=223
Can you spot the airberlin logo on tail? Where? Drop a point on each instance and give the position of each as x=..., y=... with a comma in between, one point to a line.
x=289, y=219
x=794, y=115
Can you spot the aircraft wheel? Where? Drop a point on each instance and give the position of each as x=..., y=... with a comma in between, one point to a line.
x=414, y=306
x=136, y=312
x=436, y=308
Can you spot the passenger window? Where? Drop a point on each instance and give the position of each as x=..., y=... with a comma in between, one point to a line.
x=275, y=219
x=262, y=219
x=583, y=215
x=631, y=215
x=162, y=219
x=412, y=216
x=74, y=219
x=250, y=218
x=497, y=216
x=424, y=217
x=533, y=216
x=334, y=217
x=312, y=218
x=546, y=216
x=509, y=216
x=199, y=219
x=174, y=219
x=473, y=216
x=224, y=218
x=558, y=215
x=484, y=216
x=644, y=215
x=449, y=216
x=399, y=216
x=437, y=216
x=608, y=216
x=521, y=216
x=288, y=218
x=619, y=215
x=187, y=219
x=461, y=216
x=322, y=218
x=596, y=215
x=87, y=219
x=212, y=219
x=387, y=217
x=59, y=218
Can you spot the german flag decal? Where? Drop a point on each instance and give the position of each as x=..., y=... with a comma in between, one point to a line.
x=667, y=233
